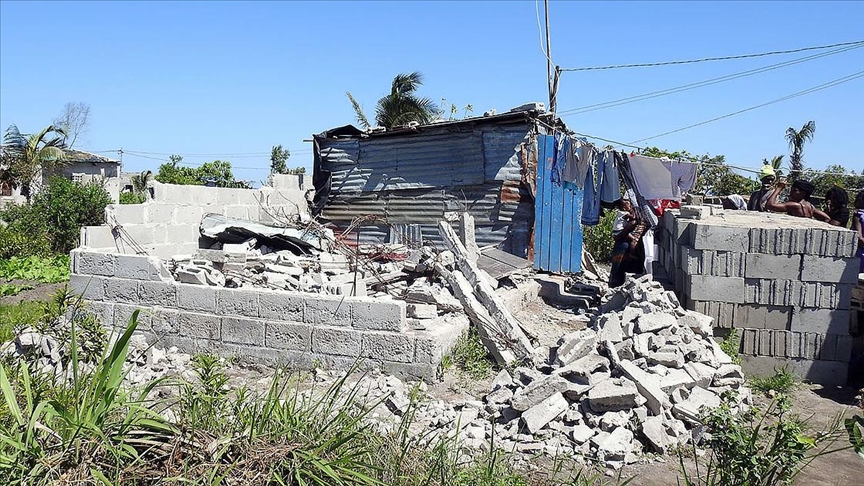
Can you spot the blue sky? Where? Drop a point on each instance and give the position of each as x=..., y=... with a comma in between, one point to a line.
x=229, y=80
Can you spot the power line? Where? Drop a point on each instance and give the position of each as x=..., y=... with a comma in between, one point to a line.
x=814, y=89
x=707, y=59
x=699, y=84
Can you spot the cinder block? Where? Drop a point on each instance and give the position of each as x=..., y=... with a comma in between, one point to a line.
x=829, y=347
x=722, y=263
x=92, y=263
x=104, y=311
x=121, y=290
x=769, y=292
x=823, y=321
x=327, y=311
x=722, y=312
x=719, y=289
x=129, y=214
x=281, y=306
x=831, y=242
x=783, y=267
x=778, y=241
x=160, y=321
x=237, y=302
x=822, y=295
x=142, y=234
x=239, y=330
x=163, y=294
x=682, y=232
x=380, y=315
x=196, y=297
x=387, y=346
x=336, y=341
x=89, y=287
x=288, y=335
x=826, y=373
x=713, y=237
x=763, y=316
x=844, y=348
x=433, y=344
x=190, y=215
x=160, y=213
x=750, y=341
x=829, y=269
x=199, y=326
x=97, y=237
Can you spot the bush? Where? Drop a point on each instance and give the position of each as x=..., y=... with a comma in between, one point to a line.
x=598, y=240
x=470, y=356
x=782, y=382
x=20, y=243
x=132, y=198
x=58, y=212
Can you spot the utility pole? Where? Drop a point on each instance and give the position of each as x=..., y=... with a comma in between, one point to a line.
x=548, y=55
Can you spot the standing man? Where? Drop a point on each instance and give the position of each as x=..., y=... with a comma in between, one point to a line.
x=798, y=204
x=759, y=199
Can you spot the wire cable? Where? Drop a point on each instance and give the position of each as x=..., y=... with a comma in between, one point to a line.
x=707, y=59
x=814, y=89
x=699, y=84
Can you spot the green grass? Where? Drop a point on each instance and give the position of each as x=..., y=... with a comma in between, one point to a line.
x=52, y=269
x=470, y=356
x=9, y=289
x=782, y=381
x=23, y=314
x=731, y=344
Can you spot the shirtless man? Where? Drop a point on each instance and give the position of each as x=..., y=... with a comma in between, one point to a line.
x=798, y=205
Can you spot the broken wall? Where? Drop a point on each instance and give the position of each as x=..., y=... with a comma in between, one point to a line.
x=273, y=326
x=168, y=224
x=784, y=282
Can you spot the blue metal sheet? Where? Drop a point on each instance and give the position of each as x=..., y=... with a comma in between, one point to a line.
x=558, y=211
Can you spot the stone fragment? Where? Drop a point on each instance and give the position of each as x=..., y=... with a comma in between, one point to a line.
x=699, y=323
x=575, y=345
x=538, y=391
x=607, y=396
x=544, y=412
x=676, y=378
x=648, y=386
x=610, y=420
x=422, y=311
x=502, y=379
x=702, y=374
x=671, y=360
x=654, y=322
x=690, y=409
x=625, y=350
x=616, y=445
x=655, y=432
x=609, y=327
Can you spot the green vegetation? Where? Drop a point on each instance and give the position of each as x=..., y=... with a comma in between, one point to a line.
x=759, y=447
x=21, y=314
x=470, y=356
x=217, y=172
x=781, y=382
x=402, y=106
x=132, y=198
x=25, y=156
x=9, y=289
x=598, y=240
x=39, y=269
x=56, y=215
x=731, y=345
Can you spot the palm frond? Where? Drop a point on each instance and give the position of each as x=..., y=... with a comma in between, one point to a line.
x=358, y=110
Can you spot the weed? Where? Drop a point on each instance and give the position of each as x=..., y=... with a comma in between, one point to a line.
x=731, y=344
x=470, y=356
x=757, y=447
x=782, y=382
x=9, y=289
x=39, y=269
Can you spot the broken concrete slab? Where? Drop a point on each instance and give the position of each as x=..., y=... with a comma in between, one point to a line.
x=655, y=431
x=608, y=396
x=575, y=345
x=690, y=409
x=538, y=391
x=544, y=412
x=654, y=322
x=648, y=386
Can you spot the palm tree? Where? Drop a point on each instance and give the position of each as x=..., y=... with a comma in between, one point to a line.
x=402, y=106
x=776, y=162
x=28, y=155
x=141, y=182
x=797, y=139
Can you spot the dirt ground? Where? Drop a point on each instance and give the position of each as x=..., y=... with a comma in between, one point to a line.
x=40, y=291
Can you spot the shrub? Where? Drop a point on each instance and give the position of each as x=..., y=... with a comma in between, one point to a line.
x=21, y=243
x=58, y=212
x=132, y=198
x=782, y=382
x=598, y=240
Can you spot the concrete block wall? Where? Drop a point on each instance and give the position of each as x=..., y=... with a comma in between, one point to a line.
x=786, y=282
x=169, y=223
x=272, y=326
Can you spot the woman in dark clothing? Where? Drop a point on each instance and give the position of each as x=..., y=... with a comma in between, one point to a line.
x=837, y=206
x=628, y=254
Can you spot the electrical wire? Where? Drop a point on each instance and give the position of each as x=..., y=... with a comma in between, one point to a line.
x=707, y=59
x=814, y=89
x=540, y=32
x=699, y=84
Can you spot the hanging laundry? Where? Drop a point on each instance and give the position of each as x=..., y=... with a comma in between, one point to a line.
x=576, y=163
x=645, y=209
x=590, y=201
x=662, y=178
x=611, y=189
x=604, y=188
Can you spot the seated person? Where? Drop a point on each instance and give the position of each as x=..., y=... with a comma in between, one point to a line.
x=734, y=202
x=858, y=227
x=759, y=199
x=837, y=206
x=798, y=204
x=627, y=253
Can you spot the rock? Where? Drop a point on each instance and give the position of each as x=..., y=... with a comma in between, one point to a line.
x=538, y=391
x=609, y=397
x=678, y=395
x=676, y=378
x=611, y=352
x=544, y=412
x=397, y=402
x=690, y=409
x=28, y=339
x=654, y=430
x=610, y=420
x=616, y=445
x=524, y=376
x=648, y=386
x=654, y=322
x=581, y=434
x=699, y=323
x=625, y=350
x=500, y=396
x=575, y=345
x=584, y=367
x=609, y=326
x=502, y=379
x=702, y=374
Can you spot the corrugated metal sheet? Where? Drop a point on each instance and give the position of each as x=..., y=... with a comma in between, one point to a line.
x=415, y=178
x=558, y=230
